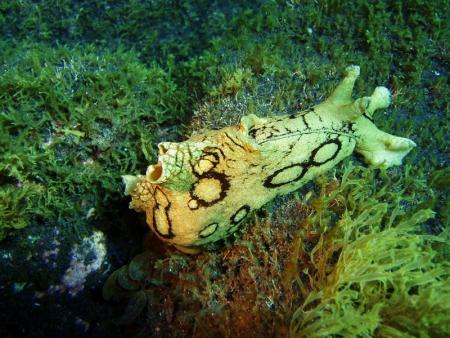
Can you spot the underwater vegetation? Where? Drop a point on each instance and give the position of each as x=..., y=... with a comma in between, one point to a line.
x=88, y=88
x=71, y=119
x=376, y=273
x=351, y=259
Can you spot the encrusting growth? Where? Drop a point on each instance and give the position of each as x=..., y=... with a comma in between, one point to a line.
x=202, y=189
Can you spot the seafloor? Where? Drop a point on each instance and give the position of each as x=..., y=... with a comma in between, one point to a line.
x=87, y=90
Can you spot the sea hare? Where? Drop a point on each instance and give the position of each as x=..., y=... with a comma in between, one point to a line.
x=202, y=189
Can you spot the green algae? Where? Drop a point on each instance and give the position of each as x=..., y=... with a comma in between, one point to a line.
x=384, y=284
x=73, y=120
x=375, y=272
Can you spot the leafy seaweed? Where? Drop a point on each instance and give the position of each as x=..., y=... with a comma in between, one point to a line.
x=375, y=273
x=72, y=121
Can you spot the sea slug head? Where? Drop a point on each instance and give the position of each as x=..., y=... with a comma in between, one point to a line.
x=165, y=187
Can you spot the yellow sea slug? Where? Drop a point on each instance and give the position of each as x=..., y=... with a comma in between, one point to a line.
x=202, y=189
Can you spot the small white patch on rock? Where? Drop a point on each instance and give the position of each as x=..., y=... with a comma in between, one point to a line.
x=86, y=258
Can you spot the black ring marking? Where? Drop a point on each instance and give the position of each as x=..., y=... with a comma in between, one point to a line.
x=238, y=216
x=224, y=186
x=203, y=157
x=208, y=230
x=315, y=151
x=268, y=182
x=156, y=207
x=195, y=207
x=209, y=174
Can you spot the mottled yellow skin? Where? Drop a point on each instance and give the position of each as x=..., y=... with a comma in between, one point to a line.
x=202, y=189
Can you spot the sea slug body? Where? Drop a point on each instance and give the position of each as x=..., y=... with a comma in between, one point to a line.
x=202, y=189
